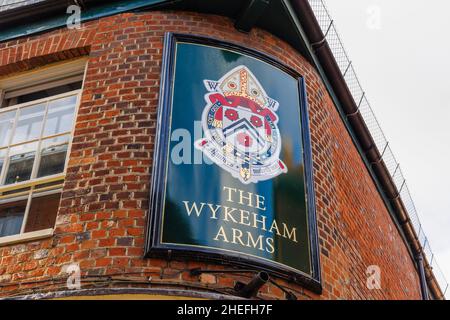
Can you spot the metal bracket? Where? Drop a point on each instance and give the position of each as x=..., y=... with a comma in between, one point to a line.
x=252, y=288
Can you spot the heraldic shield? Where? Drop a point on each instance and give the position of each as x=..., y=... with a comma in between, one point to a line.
x=239, y=123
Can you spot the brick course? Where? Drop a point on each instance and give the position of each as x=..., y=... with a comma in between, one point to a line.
x=102, y=215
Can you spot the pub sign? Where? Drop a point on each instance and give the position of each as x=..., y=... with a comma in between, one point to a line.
x=232, y=175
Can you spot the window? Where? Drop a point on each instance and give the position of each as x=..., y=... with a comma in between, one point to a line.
x=32, y=212
x=34, y=138
x=37, y=112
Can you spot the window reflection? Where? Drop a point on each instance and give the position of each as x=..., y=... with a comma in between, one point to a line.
x=2, y=159
x=53, y=156
x=60, y=116
x=21, y=160
x=43, y=210
x=6, y=124
x=11, y=217
x=29, y=124
x=35, y=123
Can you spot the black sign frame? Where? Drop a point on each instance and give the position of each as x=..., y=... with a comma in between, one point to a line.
x=153, y=246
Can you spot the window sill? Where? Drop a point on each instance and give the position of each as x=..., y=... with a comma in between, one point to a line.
x=29, y=183
x=25, y=237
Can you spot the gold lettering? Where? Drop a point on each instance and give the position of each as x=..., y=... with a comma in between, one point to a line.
x=260, y=202
x=269, y=242
x=245, y=219
x=229, y=199
x=237, y=235
x=292, y=234
x=193, y=207
x=227, y=214
x=275, y=226
x=214, y=211
x=256, y=220
x=248, y=197
x=252, y=243
x=222, y=234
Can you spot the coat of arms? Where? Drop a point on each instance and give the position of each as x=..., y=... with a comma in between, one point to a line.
x=240, y=127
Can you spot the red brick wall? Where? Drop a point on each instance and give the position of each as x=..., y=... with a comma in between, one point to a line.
x=101, y=220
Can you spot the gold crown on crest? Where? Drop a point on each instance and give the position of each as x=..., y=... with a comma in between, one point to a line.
x=241, y=82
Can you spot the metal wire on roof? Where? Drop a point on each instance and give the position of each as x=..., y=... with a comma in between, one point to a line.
x=345, y=65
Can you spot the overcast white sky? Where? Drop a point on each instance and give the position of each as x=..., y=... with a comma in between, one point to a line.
x=403, y=62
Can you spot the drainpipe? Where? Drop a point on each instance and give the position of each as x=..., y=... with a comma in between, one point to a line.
x=422, y=277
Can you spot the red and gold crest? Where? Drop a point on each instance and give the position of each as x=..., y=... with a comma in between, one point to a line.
x=240, y=126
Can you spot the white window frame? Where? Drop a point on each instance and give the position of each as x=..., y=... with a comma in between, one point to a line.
x=39, y=140
x=21, y=84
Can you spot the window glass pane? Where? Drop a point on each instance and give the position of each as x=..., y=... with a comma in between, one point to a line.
x=11, y=217
x=2, y=159
x=6, y=124
x=53, y=156
x=53, y=91
x=29, y=124
x=60, y=116
x=21, y=159
x=43, y=212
